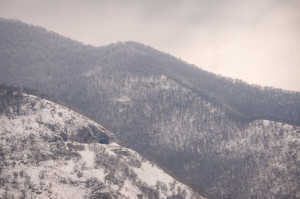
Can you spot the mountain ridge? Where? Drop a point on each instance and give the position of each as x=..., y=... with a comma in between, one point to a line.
x=53, y=99
x=51, y=151
x=221, y=89
x=171, y=111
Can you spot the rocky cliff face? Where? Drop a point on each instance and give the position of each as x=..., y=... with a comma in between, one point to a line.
x=49, y=151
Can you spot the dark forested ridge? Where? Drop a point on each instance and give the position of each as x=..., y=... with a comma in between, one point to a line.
x=205, y=128
x=46, y=54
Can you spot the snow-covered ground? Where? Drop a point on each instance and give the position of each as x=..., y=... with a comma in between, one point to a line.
x=49, y=151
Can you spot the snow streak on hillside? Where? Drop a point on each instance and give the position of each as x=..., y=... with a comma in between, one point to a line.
x=49, y=151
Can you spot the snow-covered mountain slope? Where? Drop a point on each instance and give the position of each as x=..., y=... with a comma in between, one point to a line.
x=50, y=151
x=211, y=131
x=199, y=142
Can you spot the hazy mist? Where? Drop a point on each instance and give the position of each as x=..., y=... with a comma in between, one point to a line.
x=256, y=41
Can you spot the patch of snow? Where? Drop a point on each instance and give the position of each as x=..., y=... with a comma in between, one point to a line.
x=150, y=174
x=88, y=157
x=129, y=190
x=123, y=99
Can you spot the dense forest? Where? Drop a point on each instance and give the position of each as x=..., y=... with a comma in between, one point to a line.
x=232, y=139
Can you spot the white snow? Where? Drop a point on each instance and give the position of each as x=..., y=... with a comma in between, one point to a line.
x=123, y=99
x=150, y=174
x=88, y=157
x=65, y=177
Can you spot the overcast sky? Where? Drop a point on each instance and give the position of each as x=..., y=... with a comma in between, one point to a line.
x=257, y=41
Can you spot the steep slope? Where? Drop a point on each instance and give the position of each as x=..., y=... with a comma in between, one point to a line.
x=199, y=142
x=49, y=151
x=205, y=129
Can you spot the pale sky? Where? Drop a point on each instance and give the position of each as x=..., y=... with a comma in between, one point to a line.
x=257, y=41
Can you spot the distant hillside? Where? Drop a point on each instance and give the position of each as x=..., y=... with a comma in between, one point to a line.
x=49, y=151
x=48, y=55
x=206, y=129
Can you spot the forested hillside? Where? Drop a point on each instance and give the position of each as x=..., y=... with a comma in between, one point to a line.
x=46, y=54
x=206, y=129
x=50, y=151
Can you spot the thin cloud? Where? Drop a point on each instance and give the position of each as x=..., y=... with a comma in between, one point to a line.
x=256, y=41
